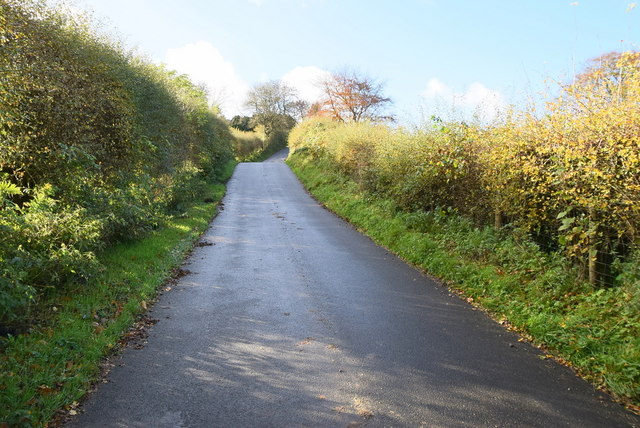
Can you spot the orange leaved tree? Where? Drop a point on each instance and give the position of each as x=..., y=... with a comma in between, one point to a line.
x=350, y=97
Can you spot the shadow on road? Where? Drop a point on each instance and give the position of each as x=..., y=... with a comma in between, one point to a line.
x=292, y=318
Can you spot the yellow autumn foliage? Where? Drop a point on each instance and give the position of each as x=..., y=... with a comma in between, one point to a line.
x=571, y=176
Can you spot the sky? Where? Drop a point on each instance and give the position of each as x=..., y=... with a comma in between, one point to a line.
x=433, y=56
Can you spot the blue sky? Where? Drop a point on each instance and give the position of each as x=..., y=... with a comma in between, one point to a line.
x=432, y=54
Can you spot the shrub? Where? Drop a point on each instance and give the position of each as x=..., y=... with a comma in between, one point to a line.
x=570, y=178
x=99, y=143
x=247, y=142
x=44, y=244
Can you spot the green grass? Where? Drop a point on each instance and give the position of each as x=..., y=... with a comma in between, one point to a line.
x=597, y=331
x=53, y=366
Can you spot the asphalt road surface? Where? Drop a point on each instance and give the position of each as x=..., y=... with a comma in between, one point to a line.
x=293, y=318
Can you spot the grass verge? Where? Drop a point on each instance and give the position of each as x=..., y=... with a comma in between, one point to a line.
x=595, y=331
x=52, y=367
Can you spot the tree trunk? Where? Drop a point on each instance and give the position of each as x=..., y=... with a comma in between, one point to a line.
x=593, y=252
x=497, y=219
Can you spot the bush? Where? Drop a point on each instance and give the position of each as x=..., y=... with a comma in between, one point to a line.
x=569, y=178
x=247, y=142
x=44, y=245
x=188, y=185
x=99, y=143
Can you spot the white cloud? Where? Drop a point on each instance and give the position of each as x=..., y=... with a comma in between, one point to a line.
x=475, y=99
x=257, y=2
x=306, y=80
x=436, y=88
x=203, y=63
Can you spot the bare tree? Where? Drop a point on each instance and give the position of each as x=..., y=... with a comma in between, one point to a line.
x=300, y=109
x=610, y=72
x=272, y=97
x=350, y=97
x=274, y=105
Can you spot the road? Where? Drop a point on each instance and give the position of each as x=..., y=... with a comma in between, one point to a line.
x=293, y=318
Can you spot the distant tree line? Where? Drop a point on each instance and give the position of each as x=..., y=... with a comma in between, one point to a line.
x=347, y=96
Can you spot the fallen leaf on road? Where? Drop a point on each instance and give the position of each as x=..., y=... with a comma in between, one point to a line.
x=361, y=409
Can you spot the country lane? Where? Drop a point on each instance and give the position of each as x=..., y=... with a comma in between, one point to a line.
x=287, y=316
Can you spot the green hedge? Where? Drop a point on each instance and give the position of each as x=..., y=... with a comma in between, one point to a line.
x=97, y=145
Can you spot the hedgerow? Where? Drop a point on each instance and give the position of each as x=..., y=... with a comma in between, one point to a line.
x=570, y=178
x=96, y=146
x=548, y=204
